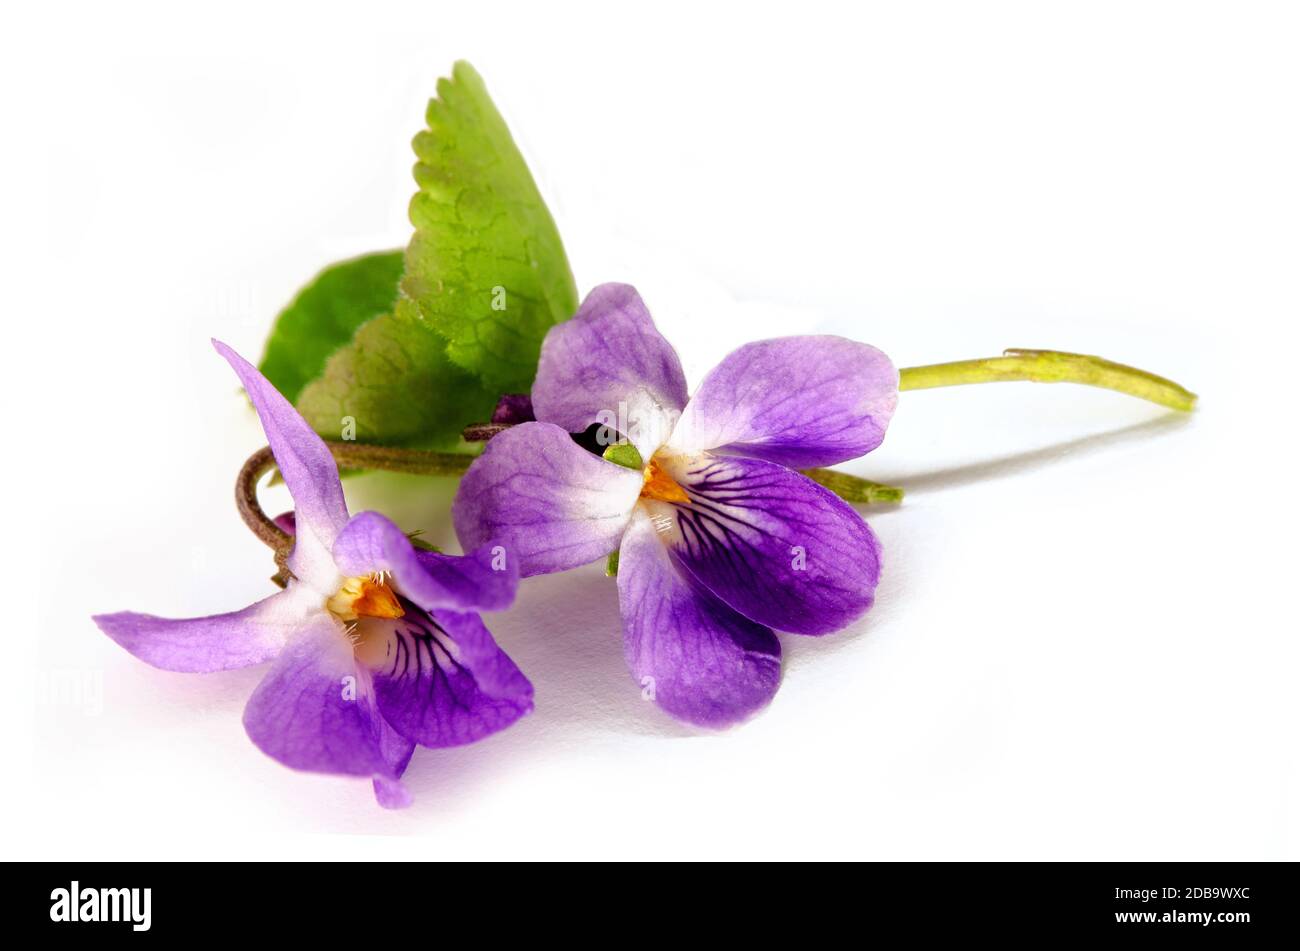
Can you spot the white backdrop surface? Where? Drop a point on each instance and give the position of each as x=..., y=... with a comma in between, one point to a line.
x=1084, y=645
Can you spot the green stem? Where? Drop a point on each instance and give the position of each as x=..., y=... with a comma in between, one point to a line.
x=1051, y=366
x=1037, y=366
x=353, y=455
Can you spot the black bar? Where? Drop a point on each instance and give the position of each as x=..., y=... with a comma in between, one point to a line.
x=1222, y=903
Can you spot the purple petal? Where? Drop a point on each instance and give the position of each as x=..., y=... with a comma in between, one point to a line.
x=702, y=661
x=609, y=359
x=799, y=401
x=315, y=709
x=773, y=544
x=443, y=681
x=220, y=642
x=482, y=580
x=551, y=504
x=308, y=469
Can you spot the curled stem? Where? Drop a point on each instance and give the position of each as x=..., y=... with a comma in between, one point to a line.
x=1051, y=366
x=258, y=522
x=349, y=455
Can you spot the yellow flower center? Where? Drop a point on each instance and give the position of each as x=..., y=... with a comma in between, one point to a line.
x=365, y=597
x=660, y=485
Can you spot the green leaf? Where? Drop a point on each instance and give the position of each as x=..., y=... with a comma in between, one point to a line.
x=396, y=385
x=325, y=315
x=486, y=265
x=408, y=348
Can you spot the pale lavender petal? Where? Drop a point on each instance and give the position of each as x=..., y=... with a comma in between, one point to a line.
x=548, y=502
x=610, y=365
x=315, y=709
x=483, y=580
x=771, y=543
x=310, y=561
x=308, y=469
x=697, y=658
x=220, y=642
x=441, y=680
x=799, y=401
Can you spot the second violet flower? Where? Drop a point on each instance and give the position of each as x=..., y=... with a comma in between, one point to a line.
x=377, y=646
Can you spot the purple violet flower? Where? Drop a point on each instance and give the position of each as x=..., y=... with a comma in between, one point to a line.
x=377, y=645
x=719, y=539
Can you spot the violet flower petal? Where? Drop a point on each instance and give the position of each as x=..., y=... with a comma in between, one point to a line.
x=370, y=543
x=799, y=401
x=315, y=709
x=309, y=471
x=219, y=642
x=445, y=682
x=774, y=545
x=706, y=664
x=551, y=504
x=610, y=359
x=484, y=579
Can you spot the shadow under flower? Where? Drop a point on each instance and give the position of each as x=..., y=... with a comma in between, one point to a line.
x=1017, y=463
x=565, y=633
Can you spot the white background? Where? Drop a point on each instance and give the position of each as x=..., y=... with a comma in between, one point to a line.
x=1084, y=645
